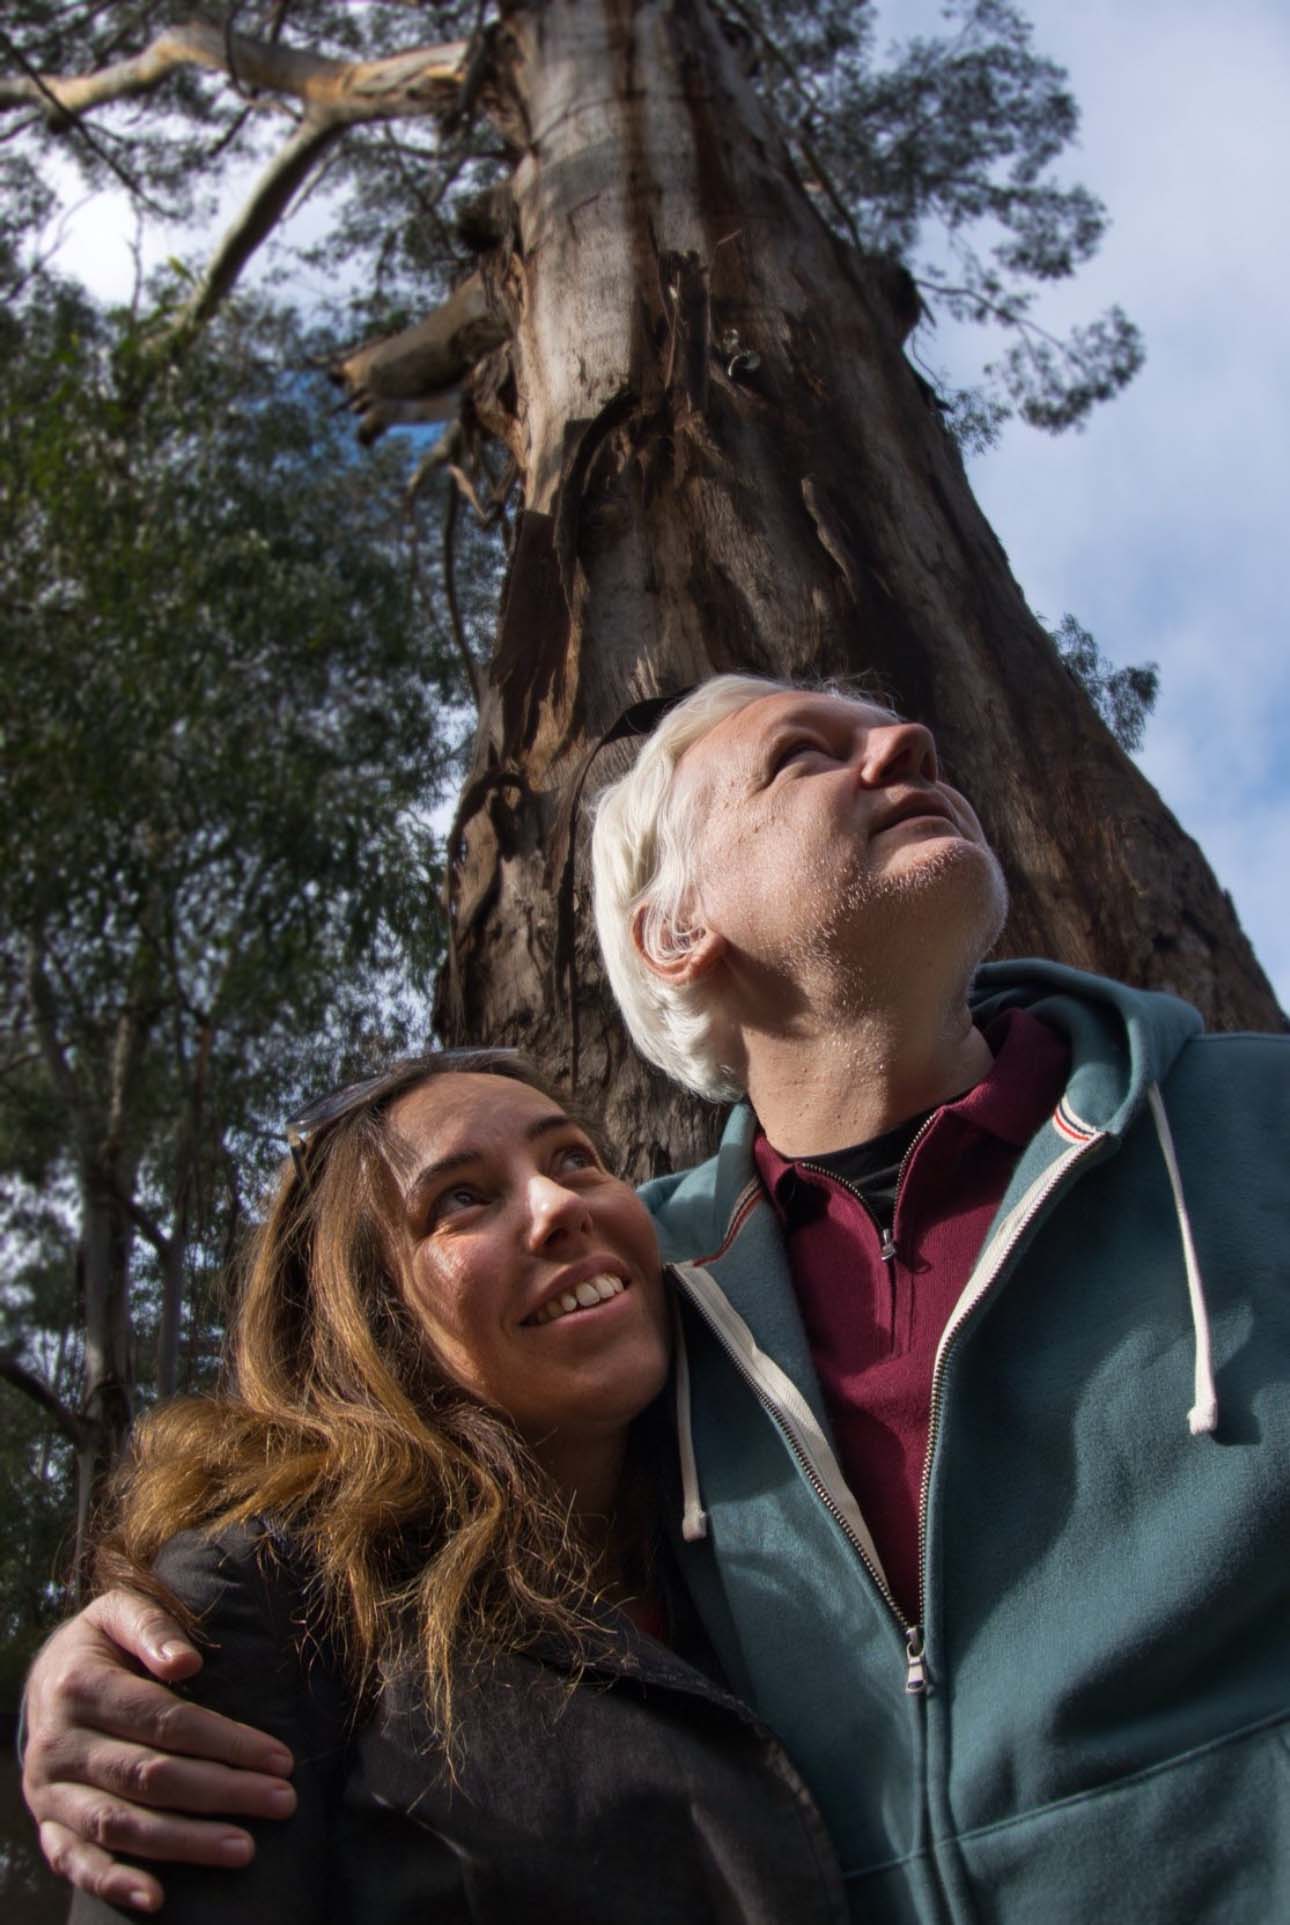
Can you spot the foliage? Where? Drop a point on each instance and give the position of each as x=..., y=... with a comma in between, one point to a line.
x=941, y=155
x=1123, y=697
x=226, y=722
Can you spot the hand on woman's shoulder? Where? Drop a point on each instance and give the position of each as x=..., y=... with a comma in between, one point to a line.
x=261, y=1664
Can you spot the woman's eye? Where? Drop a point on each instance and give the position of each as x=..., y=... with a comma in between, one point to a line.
x=462, y=1196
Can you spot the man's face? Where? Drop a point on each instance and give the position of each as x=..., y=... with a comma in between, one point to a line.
x=824, y=833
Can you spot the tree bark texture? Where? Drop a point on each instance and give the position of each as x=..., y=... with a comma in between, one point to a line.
x=727, y=463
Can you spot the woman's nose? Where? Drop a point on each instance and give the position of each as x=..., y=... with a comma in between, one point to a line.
x=899, y=749
x=554, y=1211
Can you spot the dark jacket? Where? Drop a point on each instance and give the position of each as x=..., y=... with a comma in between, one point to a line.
x=645, y=1796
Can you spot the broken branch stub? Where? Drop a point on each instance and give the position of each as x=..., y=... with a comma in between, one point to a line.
x=417, y=373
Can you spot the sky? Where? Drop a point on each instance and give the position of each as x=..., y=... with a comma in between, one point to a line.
x=1162, y=526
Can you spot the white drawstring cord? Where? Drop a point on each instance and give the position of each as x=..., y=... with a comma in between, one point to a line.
x=1202, y=1418
x=694, y=1519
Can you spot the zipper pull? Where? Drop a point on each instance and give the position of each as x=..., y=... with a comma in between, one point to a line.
x=915, y=1670
x=887, y=1249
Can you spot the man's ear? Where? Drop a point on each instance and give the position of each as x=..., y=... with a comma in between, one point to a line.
x=702, y=951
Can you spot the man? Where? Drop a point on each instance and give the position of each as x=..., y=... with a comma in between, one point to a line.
x=983, y=1393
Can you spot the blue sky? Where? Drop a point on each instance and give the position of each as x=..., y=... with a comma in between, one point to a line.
x=1162, y=527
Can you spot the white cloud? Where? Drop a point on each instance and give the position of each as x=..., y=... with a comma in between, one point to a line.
x=1163, y=525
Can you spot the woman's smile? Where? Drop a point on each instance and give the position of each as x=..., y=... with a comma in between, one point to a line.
x=532, y=1269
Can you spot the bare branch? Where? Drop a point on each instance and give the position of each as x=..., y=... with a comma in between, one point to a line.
x=144, y=1221
x=1008, y=314
x=415, y=375
x=445, y=450
x=73, y=1427
x=269, y=201
x=55, y=116
x=831, y=193
x=420, y=81
x=441, y=455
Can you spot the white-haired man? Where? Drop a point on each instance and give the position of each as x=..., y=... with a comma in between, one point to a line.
x=960, y=1289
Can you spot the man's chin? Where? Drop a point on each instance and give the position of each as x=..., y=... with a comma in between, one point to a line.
x=949, y=884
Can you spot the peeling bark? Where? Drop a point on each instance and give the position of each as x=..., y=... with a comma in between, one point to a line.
x=727, y=463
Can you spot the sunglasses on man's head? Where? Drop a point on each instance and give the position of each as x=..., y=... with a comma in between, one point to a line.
x=642, y=718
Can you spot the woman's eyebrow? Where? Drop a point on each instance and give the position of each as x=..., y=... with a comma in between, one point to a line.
x=460, y=1159
x=545, y=1124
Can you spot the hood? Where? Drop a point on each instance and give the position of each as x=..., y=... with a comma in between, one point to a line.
x=1122, y=1040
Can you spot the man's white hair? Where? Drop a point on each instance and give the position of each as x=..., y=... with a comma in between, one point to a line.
x=642, y=860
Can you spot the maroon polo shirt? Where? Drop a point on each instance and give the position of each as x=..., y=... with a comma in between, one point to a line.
x=873, y=1326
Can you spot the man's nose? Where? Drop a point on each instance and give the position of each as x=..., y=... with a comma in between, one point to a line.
x=899, y=750
x=554, y=1211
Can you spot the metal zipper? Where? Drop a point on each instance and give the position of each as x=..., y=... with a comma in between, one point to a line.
x=915, y=1668
x=802, y=1457
x=977, y=1288
x=886, y=1239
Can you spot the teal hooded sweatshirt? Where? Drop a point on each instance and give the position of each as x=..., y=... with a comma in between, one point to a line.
x=1091, y=1719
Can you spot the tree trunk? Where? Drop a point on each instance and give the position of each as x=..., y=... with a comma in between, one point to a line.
x=106, y=1239
x=174, y=1276
x=728, y=463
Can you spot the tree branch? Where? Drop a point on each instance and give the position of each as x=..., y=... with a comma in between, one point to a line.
x=450, y=593
x=144, y=1221
x=415, y=375
x=420, y=81
x=56, y=116
x=269, y=201
x=1008, y=315
x=72, y=1426
x=335, y=95
x=440, y=456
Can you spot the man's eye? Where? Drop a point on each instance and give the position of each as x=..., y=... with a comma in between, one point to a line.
x=790, y=751
x=577, y=1156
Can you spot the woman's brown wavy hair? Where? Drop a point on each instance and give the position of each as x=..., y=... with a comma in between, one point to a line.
x=421, y=1515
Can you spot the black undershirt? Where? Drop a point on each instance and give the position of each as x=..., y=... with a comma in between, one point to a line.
x=873, y=1168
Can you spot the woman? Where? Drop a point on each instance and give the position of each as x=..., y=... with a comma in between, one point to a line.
x=417, y=1542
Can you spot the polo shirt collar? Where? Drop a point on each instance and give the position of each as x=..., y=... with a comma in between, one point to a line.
x=1012, y=1102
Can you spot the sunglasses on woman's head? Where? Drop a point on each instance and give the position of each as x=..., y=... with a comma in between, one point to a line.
x=316, y=1118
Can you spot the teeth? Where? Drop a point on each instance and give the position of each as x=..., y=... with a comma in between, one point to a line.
x=591, y=1290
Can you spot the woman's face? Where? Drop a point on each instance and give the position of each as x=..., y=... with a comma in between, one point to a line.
x=512, y=1217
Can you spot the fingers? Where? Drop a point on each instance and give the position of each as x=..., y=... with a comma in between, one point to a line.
x=91, y=1870
x=86, y=1698
x=106, y=1824
x=114, y=1773
x=148, y=1633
